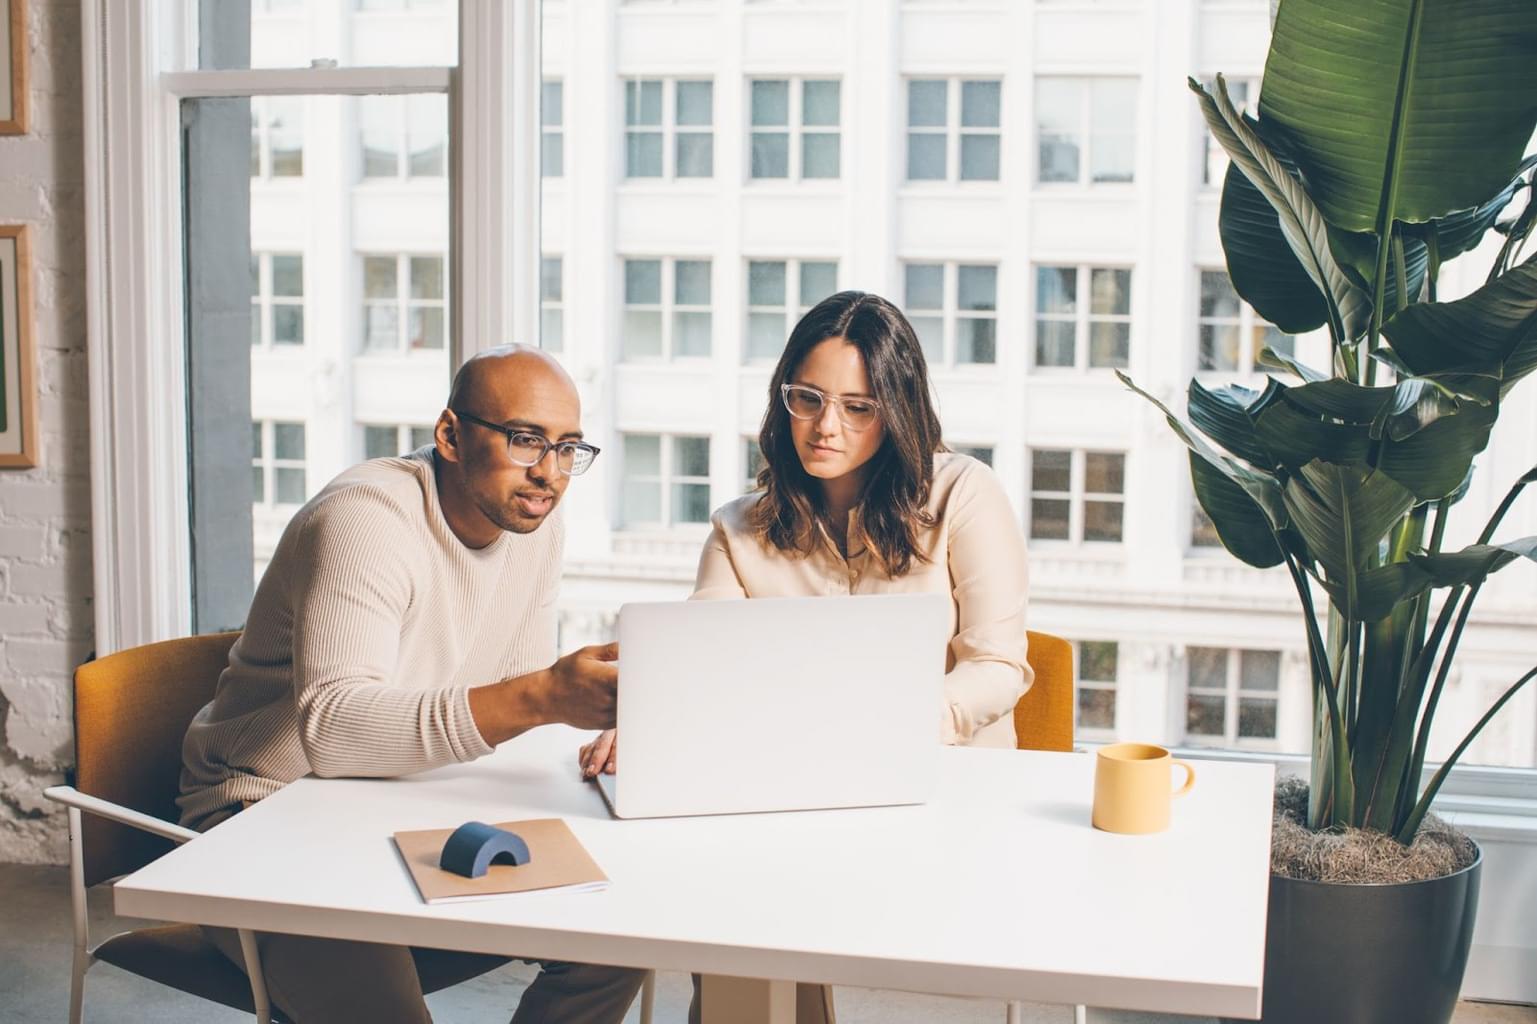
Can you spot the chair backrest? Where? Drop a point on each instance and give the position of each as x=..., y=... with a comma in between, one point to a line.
x=1043, y=718
x=132, y=709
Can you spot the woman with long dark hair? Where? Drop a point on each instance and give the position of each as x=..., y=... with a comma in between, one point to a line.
x=858, y=495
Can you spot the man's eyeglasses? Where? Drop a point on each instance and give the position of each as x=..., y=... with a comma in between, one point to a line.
x=805, y=403
x=525, y=448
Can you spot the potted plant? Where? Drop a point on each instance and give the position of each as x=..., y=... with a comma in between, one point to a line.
x=1388, y=141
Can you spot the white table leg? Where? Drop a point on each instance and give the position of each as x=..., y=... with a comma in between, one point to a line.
x=726, y=1000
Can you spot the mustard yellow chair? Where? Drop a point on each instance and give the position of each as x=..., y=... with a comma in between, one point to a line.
x=131, y=711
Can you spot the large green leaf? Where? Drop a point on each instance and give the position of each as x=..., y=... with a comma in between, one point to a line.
x=1434, y=462
x=1343, y=513
x=1429, y=103
x=1473, y=563
x=1226, y=414
x=1240, y=523
x=1297, y=438
x=1493, y=330
x=1262, y=266
x=1357, y=255
x=1301, y=225
x=1458, y=232
x=1379, y=590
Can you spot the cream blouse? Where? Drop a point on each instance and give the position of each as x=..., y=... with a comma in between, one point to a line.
x=976, y=555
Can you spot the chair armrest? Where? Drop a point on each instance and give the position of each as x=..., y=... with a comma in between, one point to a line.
x=72, y=797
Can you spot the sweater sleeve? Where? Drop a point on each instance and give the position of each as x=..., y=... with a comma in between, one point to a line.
x=989, y=579
x=349, y=612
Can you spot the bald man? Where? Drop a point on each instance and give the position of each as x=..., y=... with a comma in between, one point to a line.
x=407, y=621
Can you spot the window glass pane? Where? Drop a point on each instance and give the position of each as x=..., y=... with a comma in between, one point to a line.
x=643, y=282
x=819, y=103
x=288, y=324
x=765, y=335
x=427, y=327
x=1058, y=114
x=820, y=156
x=752, y=458
x=1218, y=299
x=691, y=334
x=977, y=287
x=643, y=154
x=288, y=440
x=770, y=103
x=552, y=155
x=770, y=155
x=925, y=286
x=1207, y=668
x=1102, y=520
x=925, y=157
x=550, y=278
x=256, y=441
x=642, y=455
x=379, y=131
x=642, y=334
x=426, y=277
x=1218, y=347
x=1048, y=519
x=552, y=329
x=926, y=103
x=818, y=281
x=288, y=275
x=1203, y=532
x=374, y=33
x=696, y=154
x=642, y=502
x=1259, y=671
x=1113, y=116
x=1204, y=715
x=979, y=157
x=285, y=135
x=1051, y=470
x=691, y=503
x=981, y=453
x=931, y=336
x=980, y=104
x=427, y=135
x=765, y=283
x=1104, y=473
x=379, y=442
x=1110, y=345
x=379, y=277
x=1056, y=289
x=695, y=103
x=1110, y=291
x=551, y=99
x=381, y=328
x=1098, y=660
x=1256, y=719
x=421, y=437
x=976, y=340
x=288, y=486
x=691, y=456
x=643, y=103
x=1055, y=342
x=691, y=282
x=1096, y=709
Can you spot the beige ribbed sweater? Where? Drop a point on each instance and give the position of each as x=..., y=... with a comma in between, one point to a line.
x=367, y=631
x=976, y=558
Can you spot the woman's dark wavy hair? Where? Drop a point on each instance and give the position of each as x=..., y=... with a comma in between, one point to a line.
x=900, y=473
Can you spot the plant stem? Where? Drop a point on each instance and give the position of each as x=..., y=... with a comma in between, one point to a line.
x=1339, y=791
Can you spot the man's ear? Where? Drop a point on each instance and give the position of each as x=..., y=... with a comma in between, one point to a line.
x=446, y=434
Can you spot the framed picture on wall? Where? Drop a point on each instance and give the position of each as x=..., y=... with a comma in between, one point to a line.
x=13, y=67
x=18, y=402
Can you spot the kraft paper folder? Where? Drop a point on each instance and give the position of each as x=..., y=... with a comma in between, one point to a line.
x=558, y=861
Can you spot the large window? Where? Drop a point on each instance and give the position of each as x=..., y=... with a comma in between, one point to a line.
x=666, y=309
x=779, y=292
x=1086, y=130
x=1231, y=696
x=403, y=304
x=954, y=129
x=669, y=128
x=1098, y=667
x=795, y=125
x=277, y=463
x=1076, y=495
x=666, y=480
x=1230, y=336
x=403, y=136
x=954, y=309
x=277, y=299
x=1076, y=334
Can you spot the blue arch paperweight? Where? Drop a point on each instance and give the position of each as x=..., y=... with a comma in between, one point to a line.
x=475, y=846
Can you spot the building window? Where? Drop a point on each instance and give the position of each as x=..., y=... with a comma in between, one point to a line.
x=795, y=124
x=779, y=292
x=403, y=136
x=752, y=462
x=1231, y=696
x=1097, y=670
x=953, y=131
x=403, y=305
x=1230, y=334
x=277, y=137
x=666, y=309
x=277, y=299
x=1203, y=532
x=1077, y=495
x=382, y=442
x=552, y=316
x=982, y=453
x=277, y=463
x=954, y=309
x=1082, y=335
x=666, y=480
x=1245, y=95
x=669, y=128
x=1086, y=130
x=552, y=140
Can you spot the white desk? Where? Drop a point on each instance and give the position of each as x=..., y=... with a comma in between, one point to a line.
x=997, y=888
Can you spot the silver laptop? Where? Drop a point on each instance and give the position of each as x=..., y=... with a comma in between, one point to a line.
x=778, y=704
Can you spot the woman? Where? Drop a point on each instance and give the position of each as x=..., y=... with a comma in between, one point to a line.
x=858, y=495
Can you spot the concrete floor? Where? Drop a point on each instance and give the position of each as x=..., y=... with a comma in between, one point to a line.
x=35, y=953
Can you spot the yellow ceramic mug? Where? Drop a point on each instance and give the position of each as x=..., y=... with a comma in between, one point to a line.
x=1131, y=787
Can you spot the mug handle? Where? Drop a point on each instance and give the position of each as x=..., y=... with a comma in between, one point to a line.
x=1189, y=778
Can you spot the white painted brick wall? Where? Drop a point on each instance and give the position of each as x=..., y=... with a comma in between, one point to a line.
x=45, y=548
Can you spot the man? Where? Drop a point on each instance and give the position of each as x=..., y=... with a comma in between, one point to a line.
x=406, y=621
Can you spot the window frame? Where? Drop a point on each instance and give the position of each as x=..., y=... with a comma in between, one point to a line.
x=403, y=303
x=667, y=309
x=1085, y=135
x=790, y=311
x=401, y=147
x=953, y=131
x=668, y=128
x=795, y=129
x=268, y=462
x=950, y=313
x=1083, y=317
x=665, y=479
x=266, y=301
x=1093, y=734
x=260, y=110
x=1232, y=694
x=1077, y=496
x=1248, y=369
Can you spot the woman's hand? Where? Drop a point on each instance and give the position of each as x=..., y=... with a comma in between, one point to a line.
x=601, y=755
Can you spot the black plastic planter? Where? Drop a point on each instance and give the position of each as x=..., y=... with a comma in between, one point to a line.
x=1368, y=954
